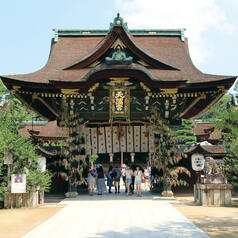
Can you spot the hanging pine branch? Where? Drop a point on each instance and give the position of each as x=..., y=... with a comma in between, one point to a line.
x=185, y=134
x=166, y=153
x=74, y=150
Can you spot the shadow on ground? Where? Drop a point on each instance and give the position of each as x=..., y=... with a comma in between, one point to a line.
x=54, y=198
x=225, y=227
x=166, y=230
x=121, y=197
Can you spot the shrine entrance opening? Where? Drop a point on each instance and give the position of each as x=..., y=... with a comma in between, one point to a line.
x=120, y=158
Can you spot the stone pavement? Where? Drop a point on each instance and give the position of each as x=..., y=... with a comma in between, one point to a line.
x=117, y=216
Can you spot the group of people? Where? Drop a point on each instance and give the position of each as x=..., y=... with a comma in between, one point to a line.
x=131, y=177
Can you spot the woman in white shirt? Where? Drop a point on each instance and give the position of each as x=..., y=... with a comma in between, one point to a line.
x=128, y=174
x=138, y=177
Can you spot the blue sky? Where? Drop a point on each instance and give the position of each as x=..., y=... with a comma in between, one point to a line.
x=211, y=27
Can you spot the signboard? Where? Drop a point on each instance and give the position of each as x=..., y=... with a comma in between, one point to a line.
x=18, y=183
x=198, y=162
x=119, y=102
x=8, y=158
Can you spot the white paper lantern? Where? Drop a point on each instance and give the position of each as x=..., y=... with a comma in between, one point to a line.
x=198, y=162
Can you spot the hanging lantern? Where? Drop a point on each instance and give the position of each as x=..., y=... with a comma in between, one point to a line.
x=132, y=157
x=111, y=157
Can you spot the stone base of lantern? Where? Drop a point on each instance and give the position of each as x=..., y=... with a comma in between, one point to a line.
x=71, y=194
x=212, y=194
x=167, y=193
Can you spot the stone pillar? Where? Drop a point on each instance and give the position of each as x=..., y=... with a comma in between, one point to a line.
x=41, y=197
x=33, y=197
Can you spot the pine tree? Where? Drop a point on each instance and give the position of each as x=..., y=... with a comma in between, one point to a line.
x=185, y=134
x=166, y=153
x=226, y=121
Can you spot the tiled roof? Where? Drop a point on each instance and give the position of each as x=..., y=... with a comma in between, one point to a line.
x=216, y=149
x=207, y=129
x=45, y=131
x=213, y=149
x=52, y=130
x=67, y=51
x=201, y=127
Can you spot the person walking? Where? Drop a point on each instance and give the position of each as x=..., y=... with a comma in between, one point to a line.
x=129, y=174
x=138, y=178
x=147, y=179
x=124, y=176
x=132, y=185
x=101, y=186
x=117, y=179
x=91, y=181
x=110, y=178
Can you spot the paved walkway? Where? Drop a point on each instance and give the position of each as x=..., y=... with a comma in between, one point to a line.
x=117, y=216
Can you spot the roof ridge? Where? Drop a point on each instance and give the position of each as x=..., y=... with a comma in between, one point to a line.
x=103, y=32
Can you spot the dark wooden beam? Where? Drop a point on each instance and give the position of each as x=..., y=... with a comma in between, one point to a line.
x=48, y=106
x=28, y=105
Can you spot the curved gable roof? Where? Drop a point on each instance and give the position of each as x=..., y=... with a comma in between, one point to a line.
x=72, y=53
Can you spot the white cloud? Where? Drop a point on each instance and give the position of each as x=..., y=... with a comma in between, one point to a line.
x=198, y=17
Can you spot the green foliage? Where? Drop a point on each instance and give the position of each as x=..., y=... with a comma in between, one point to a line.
x=25, y=157
x=230, y=167
x=37, y=178
x=227, y=122
x=217, y=109
x=166, y=153
x=93, y=158
x=17, y=110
